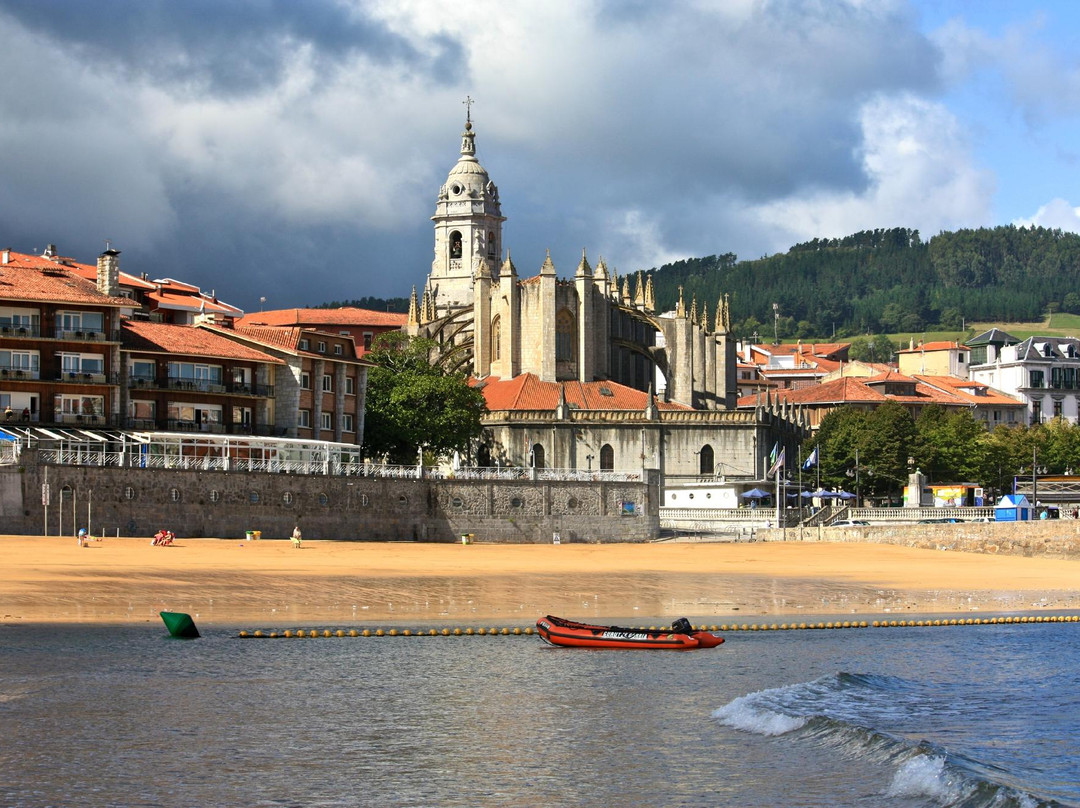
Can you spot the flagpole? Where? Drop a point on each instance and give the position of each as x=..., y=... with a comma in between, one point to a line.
x=778, y=468
x=799, y=500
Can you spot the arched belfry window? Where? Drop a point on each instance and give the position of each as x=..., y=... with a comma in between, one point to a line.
x=565, y=336
x=607, y=458
x=707, y=462
x=491, y=243
x=455, y=244
x=537, y=456
x=496, y=338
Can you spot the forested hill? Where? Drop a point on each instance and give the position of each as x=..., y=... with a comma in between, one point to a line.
x=885, y=281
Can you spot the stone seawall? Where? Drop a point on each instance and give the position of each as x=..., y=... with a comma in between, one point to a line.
x=136, y=502
x=1051, y=538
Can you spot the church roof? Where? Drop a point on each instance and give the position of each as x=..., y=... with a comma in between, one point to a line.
x=528, y=392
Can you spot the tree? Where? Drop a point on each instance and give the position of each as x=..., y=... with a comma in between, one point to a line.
x=413, y=403
x=950, y=446
x=874, y=348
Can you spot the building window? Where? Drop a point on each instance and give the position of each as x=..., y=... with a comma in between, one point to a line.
x=607, y=458
x=338, y=350
x=129, y=493
x=305, y=381
x=327, y=420
x=322, y=347
x=253, y=497
x=304, y=344
x=496, y=338
x=304, y=419
x=1058, y=409
x=327, y=383
x=174, y=494
x=215, y=496
x=347, y=422
x=368, y=336
x=706, y=463
x=1035, y=378
x=287, y=498
x=455, y=244
x=350, y=386
x=565, y=333
x=537, y=456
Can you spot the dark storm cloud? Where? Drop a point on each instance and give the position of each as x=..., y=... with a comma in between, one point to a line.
x=223, y=48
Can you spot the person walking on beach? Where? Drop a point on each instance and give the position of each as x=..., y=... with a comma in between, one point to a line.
x=297, y=537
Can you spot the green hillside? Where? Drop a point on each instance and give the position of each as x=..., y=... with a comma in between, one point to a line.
x=892, y=282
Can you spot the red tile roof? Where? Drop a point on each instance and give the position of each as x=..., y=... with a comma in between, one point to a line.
x=527, y=392
x=862, y=390
x=189, y=340
x=36, y=278
x=343, y=316
x=931, y=346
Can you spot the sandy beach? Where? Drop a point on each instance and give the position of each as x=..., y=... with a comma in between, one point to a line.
x=269, y=583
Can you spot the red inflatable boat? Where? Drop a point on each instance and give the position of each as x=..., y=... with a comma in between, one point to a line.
x=680, y=637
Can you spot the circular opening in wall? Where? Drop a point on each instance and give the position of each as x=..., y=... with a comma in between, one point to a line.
x=572, y=503
x=708, y=496
x=215, y=496
x=364, y=501
x=516, y=502
x=174, y=494
x=457, y=502
x=253, y=497
x=403, y=500
x=129, y=493
x=455, y=188
x=324, y=500
x=287, y=498
x=690, y=495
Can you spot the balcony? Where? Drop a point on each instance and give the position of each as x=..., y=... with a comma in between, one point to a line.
x=20, y=331
x=85, y=377
x=256, y=390
x=80, y=336
x=9, y=373
x=196, y=385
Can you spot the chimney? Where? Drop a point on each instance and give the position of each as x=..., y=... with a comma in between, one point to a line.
x=108, y=273
x=7, y=255
x=50, y=251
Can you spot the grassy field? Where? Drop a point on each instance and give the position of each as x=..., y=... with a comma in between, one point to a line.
x=1059, y=324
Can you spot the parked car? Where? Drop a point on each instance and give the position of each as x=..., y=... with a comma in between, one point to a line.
x=850, y=523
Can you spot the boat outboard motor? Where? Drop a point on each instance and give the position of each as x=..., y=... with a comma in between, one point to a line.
x=682, y=626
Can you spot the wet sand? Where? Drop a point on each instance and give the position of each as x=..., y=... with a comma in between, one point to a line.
x=325, y=583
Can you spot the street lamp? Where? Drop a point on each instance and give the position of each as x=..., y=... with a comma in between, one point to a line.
x=776, y=323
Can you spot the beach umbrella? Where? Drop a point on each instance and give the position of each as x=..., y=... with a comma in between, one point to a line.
x=755, y=493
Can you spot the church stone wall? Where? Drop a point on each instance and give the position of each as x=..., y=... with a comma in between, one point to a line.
x=137, y=502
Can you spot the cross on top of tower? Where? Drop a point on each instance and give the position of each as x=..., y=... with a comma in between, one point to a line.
x=468, y=102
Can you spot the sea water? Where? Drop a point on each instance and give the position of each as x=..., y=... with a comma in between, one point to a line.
x=983, y=715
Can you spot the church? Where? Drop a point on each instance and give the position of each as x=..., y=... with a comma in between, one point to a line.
x=584, y=373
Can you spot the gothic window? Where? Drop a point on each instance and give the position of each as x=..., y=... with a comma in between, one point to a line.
x=537, y=456
x=565, y=333
x=706, y=462
x=491, y=243
x=455, y=244
x=607, y=458
x=496, y=337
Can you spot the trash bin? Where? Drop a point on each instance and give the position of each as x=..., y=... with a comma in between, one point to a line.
x=257, y=534
x=249, y=535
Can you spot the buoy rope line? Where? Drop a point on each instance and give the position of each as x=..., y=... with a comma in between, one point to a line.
x=529, y=631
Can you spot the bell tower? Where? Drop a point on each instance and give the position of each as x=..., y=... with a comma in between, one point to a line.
x=468, y=228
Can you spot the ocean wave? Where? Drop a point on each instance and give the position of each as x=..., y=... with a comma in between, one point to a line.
x=870, y=717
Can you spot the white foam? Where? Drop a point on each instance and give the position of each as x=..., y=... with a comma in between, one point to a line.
x=743, y=714
x=923, y=776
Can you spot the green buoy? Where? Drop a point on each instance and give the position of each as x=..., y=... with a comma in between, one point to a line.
x=180, y=625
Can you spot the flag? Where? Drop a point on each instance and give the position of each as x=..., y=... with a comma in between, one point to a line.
x=811, y=461
x=778, y=463
x=772, y=455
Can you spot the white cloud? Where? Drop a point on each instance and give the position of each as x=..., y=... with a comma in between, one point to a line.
x=1056, y=214
x=919, y=175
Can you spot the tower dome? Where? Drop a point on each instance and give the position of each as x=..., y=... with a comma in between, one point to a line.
x=468, y=227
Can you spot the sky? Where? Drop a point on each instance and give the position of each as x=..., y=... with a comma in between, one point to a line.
x=293, y=151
